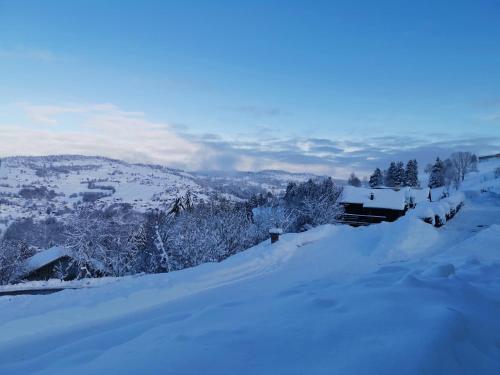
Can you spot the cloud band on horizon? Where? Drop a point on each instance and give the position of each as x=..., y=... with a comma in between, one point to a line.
x=107, y=130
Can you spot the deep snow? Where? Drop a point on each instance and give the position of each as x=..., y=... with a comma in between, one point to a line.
x=400, y=297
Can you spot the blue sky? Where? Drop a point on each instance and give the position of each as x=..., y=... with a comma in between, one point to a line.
x=323, y=86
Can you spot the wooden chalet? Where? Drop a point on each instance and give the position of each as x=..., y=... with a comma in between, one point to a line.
x=364, y=206
x=45, y=264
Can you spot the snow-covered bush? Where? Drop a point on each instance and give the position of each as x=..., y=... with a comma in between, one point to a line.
x=437, y=213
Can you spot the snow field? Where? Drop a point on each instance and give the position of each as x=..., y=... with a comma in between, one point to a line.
x=402, y=297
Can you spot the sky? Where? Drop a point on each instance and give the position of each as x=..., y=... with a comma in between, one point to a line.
x=327, y=87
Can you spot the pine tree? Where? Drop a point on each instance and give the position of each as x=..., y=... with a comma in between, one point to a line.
x=399, y=175
x=391, y=175
x=411, y=174
x=437, y=176
x=376, y=179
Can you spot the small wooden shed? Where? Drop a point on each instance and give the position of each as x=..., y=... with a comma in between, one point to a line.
x=46, y=264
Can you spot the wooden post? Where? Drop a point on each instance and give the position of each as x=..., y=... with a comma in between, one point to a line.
x=275, y=234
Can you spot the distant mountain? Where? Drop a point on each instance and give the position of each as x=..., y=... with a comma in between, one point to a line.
x=41, y=186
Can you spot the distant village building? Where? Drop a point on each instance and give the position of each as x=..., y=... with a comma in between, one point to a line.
x=363, y=206
x=489, y=157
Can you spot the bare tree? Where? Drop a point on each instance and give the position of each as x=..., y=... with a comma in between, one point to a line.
x=463, y=162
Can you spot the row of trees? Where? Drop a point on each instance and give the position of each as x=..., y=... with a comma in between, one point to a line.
x=451, y=171
x=441, y=173
x=397, y=175
x=118, y=241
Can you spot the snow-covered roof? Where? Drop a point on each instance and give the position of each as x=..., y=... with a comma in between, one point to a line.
x=419, y=195
x=383, y=198
x=438, y=193
x=44, y=257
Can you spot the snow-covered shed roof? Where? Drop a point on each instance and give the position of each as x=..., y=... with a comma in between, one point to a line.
x=438, y=193
x=44, y=257
x=383, y=198
x=419, y=195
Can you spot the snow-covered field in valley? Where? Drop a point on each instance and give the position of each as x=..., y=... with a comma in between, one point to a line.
x=402, y=297
x=46, y=186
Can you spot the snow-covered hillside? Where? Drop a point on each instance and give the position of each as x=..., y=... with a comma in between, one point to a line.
x=38, y=186
x=402, y=297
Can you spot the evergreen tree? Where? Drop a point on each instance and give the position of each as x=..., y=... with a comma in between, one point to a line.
x=399, y=175
x=376, y=179
x=391, y=175
x=411, y=174
x=437, y=176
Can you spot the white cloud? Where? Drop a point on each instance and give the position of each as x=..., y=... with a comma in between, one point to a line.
x=107, y=130
x=22, y=52
x=47, y=114
x=100, y=129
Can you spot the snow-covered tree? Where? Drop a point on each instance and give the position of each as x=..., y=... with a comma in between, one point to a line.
x=437, y=176
x=85, y=233
x=354, y=180
x=210, y=232
x=399, y=177
x=391, y=175
x=411, y=174
x=177, y=207
x=153, y=251
x=313, y=202
x=376, y=179
x=188, y=200
x=451, y=176
x=100, y=242
x=463, y=162
x=11, y=261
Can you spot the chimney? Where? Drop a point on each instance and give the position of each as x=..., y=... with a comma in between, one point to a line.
x=275, y=234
